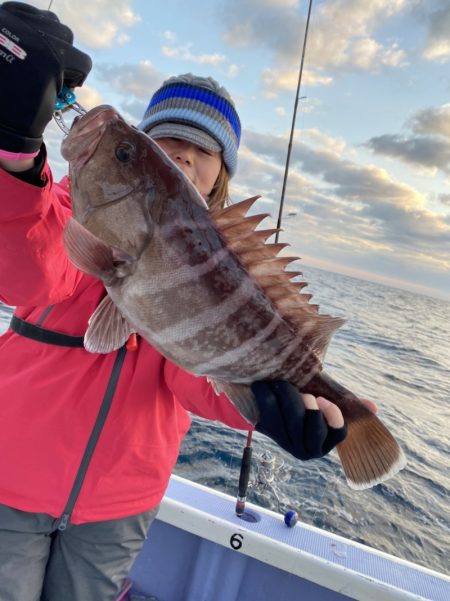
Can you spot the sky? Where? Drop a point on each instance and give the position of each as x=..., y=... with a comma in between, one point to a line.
x=368, y=190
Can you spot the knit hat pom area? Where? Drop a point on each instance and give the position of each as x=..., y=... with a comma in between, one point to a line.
x=196, y=109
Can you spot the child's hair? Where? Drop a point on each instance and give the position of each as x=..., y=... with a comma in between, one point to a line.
x=219, y=196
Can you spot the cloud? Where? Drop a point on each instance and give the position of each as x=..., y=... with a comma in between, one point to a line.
x=257, y=174
x=134, y=84
x=429, y=153
x=343, y=207
x=97, y=24
x=89, y=97
x=233, y=71
x=427, y=147
x=437, y=46
x=444, y=199
x=138, y=80
x=324, y=141
x=341, y=34
x=275, y=81
x=434, y=121
x=184, y=53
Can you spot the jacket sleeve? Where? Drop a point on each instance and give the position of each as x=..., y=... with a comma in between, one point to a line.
x=34, y=268
x=196, y=395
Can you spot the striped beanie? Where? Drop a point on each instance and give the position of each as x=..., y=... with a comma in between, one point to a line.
x=196, y=109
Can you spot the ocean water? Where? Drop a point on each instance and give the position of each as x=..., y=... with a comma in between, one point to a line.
x=395, y=350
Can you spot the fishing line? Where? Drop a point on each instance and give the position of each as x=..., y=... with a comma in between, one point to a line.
x=326, y=488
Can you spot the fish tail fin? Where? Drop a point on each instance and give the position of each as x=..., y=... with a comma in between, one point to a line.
x=369, y=454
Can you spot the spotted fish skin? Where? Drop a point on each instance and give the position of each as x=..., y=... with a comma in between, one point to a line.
x=228, y=327
x=203, y=288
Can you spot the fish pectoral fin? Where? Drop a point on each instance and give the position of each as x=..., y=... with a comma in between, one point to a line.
x=93, y=256
x=241, y=396
x=108, y=329
x=370, y=454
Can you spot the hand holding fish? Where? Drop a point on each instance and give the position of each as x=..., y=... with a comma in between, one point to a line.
x=304, y=426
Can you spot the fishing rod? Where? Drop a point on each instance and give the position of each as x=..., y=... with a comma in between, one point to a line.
x=244, y=475
x=294, y=116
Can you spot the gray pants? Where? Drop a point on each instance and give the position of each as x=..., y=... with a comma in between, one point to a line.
x=87, y=562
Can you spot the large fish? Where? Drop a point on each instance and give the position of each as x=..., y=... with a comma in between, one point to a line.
x=202, y=287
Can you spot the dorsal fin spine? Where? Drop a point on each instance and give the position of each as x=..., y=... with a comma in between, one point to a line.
x=268, y=269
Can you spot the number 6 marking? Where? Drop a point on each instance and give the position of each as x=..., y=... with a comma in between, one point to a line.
x=236, y=541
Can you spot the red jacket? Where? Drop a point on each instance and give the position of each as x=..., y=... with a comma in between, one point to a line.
x=50, y=395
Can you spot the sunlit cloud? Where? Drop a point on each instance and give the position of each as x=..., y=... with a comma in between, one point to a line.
x=184, y=53
x=139, y=80
x=437, y=47
x=432, y=120
x=98, y=24
x=322, y=140
x=438, y=50
x=338, y=206
x=342, y=36
x=89, y=97
x=345, y=206
x=276, y=81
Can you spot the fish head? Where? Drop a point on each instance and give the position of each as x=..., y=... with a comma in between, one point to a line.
x=122, y=183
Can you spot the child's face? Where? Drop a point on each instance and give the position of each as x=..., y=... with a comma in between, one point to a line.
x=201, y=166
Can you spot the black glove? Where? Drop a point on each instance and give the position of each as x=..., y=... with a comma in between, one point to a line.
x=302, y=432
x=36, y=59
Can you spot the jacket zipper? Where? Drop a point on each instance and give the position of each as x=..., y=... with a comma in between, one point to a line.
x=93, y=438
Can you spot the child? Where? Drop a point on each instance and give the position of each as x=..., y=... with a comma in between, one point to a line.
x=88, y=441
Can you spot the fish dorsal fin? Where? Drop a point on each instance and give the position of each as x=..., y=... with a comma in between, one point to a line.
x=233, y=213
x=322, y=328
x=267, y=266
x=261, y=252
x=280, y=291
x=268, y=270
x=241, y=243
x=108, y=329
x=243, y=227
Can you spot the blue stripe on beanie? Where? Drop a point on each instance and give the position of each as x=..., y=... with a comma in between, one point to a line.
x=201, y=103
x=202, y=95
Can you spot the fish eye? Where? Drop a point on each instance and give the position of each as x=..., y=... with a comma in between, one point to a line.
x=124, y=152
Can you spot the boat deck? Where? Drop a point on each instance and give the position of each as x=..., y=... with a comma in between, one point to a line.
x=214, y=555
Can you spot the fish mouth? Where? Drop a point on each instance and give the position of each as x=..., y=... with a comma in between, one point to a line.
x=85, y=134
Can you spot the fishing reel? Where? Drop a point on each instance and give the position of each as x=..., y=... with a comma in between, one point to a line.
x=270, y=472
x=65, y=101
